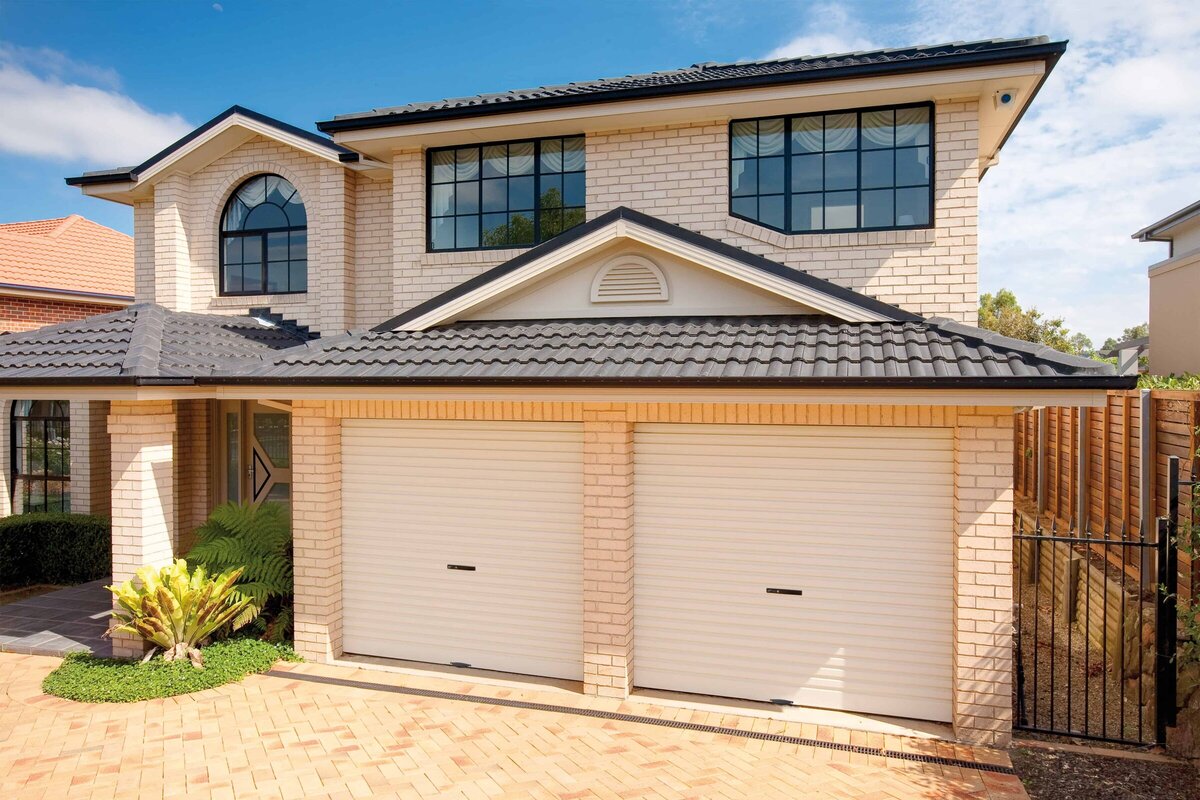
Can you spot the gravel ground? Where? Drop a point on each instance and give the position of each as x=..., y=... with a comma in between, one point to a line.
x=1060, y=775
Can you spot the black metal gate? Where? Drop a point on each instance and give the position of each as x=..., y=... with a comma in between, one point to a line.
x=1095, y=629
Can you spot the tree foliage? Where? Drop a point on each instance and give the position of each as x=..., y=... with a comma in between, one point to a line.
x=1136, y=332
x=1000, y=312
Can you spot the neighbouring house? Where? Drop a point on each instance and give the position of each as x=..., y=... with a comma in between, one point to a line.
x=668, y=381
x=53, y=271
x=1174, y=287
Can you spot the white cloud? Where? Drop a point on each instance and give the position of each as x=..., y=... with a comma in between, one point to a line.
x=830, y=28
x=1108, y=147
x=58, y=108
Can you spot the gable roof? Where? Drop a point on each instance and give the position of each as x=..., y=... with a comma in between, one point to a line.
x=69, y=256
x=709, y=76
x=625, y=222
x=1158, y=231
x=140, y=344
x=764, y=351
x=234, y=116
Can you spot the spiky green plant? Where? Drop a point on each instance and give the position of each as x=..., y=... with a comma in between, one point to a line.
x=258, y=540
x=176, y=609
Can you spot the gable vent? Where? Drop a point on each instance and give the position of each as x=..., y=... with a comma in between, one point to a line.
x=629, y=279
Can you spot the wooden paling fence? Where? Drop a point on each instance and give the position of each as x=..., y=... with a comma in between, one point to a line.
x=1080, y=468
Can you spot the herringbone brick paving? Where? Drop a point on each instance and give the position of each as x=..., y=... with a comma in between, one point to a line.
x=274, y=736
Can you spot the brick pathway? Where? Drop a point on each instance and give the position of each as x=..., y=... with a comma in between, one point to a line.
x=280, y=735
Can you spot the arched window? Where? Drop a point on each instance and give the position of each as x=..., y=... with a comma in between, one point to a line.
x=41, y=455
x=264, y=239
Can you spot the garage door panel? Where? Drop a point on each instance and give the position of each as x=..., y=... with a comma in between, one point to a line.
x=858, y=518
x=504, y=497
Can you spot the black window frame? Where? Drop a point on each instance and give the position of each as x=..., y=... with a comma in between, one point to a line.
x=787, y=171
x=45, y=478
x=260, y=234
x=537, y=192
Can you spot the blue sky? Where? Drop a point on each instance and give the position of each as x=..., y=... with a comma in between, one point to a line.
x=1109, y=147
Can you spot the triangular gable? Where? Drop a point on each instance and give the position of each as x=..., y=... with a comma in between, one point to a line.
x=806, y=291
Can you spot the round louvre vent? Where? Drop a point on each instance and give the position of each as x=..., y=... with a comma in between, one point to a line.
x=629, y=279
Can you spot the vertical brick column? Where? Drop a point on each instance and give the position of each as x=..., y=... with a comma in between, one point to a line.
x=192, y=469
x=983, y=592
x=607, y=551
x=317, y=529
x=144, y=528
x=91, y=461
x=172, y=254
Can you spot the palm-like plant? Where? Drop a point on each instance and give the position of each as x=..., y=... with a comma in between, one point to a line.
x=176, y=609
x=257, y=540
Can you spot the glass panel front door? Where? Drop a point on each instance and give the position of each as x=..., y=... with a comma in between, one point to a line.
x=255, y=440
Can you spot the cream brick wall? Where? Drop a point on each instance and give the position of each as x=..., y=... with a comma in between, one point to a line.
x=90, y=458
x=193, y=500
x=982, y=635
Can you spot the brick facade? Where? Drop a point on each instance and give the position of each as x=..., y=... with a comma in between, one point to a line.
x=19, y=314
x=982, y=536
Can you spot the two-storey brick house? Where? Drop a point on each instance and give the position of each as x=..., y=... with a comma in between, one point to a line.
x=666, y=381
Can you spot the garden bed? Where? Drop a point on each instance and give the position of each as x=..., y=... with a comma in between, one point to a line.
x=1050, y=774
x=89, y=679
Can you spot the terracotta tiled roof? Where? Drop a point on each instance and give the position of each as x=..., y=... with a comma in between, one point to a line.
x=69, y=254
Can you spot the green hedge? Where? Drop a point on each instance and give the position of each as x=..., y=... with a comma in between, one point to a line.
x=54, y=548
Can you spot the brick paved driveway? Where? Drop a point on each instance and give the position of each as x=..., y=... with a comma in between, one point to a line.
x=285, y=735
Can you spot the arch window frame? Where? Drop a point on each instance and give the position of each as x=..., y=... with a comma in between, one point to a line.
x=32, y=456
x=257, y=246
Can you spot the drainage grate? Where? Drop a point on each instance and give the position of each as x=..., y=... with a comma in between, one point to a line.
x=640, y=720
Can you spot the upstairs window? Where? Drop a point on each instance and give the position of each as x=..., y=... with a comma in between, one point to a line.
x=41, y=455
x=850, y=171
x=264, y=239
x=514, y=194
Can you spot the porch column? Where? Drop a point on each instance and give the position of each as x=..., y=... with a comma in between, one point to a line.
x=144, y=530
x=317, y=529
x=90, y=458
x=983, y=590
x=607, y=551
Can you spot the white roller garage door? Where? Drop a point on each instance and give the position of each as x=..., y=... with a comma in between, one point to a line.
x=858, y=519
x=461, y=543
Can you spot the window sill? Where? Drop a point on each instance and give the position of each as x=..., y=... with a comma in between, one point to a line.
x=814, y=241
x=247, y=300
x=453, y=257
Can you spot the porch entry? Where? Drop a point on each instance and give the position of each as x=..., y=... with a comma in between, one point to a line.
x=254, y=446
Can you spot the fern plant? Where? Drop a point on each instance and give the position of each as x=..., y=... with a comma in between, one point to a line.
x=257, y=540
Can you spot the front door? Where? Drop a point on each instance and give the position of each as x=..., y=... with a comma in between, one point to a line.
x=255, y=439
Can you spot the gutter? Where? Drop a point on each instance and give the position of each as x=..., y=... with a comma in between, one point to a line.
x=17, y=287
x=1049, y=52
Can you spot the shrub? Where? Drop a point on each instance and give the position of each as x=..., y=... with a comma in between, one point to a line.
x=54, y=548
x=176, y=609
x=89, y=679
x=1186, y=381
x=257, y=540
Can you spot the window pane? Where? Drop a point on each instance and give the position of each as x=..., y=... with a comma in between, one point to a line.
x=235, y=215
x=466, y=164
x=770, y=211
x=808, y=212
x=745, y=177
x=443, y=166
x=841, y=170
x=552, y=160
x=770, y=175
x=573, y=217
x=841, y=131
x=233, y=278
x=551, y=188
x=466, y=231
x=441, y=200
x=807, y=135
x=841, y=210
x=574, y=190
x=495, y=230
x=745, y=139
x=520, y=228
x=277, y=246
x=265, y=216
x=770, y=137
x=277, y=276
x=876, y=168
x=574, y=154
x=253, y=191
x=806, y=173
x=877, y=129
x=877, y=209
x=912, y=206
x=912, y=126
x=746, y=207
x=520, y=158
x=495, y=195
x=297, y=216
x=912, y=166
x=466, y=198
x=552, y=223
x=251, y=249
x=233, y=471
x=520, y=193
x=279, y=191
x=443, y=234
x=495, y=161
x=298, y=275
x=299, y=245
x=233, y=249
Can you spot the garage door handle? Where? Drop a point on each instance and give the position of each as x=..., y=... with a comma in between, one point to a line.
x=784, y=591
x=463, y=567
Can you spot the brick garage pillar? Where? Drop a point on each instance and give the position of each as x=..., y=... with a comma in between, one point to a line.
x=607, y=551
x=317, y=529
x=144, y=530
x=983, y=592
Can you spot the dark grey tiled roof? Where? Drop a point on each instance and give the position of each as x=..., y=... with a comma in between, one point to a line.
x=139, y=342
x=766, y=350
x=717, y=76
